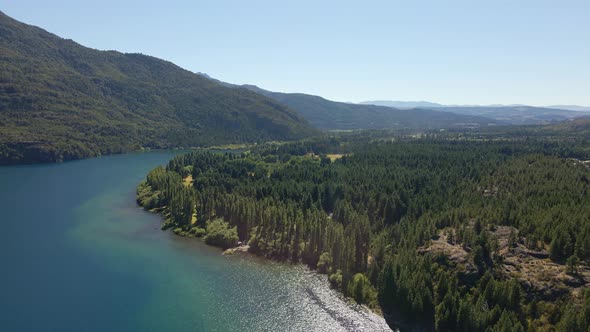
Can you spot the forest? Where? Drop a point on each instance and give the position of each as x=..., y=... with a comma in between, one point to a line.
x=436, y=230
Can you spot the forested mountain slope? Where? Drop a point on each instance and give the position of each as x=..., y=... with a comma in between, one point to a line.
x=327, y=114
x=60, y=100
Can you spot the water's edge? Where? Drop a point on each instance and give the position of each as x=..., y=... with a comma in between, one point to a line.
x=78, y=254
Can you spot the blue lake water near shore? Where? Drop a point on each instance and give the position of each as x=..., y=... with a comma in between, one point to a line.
x=77, y=254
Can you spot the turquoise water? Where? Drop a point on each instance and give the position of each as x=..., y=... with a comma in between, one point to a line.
x=77, y=254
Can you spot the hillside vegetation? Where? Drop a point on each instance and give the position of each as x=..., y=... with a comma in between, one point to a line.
x=60, y=100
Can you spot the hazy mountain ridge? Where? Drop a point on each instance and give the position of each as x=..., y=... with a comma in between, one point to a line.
x=332, y=115
x=572, y=107
x=518, y=115
x=513, y=114
x=326, y=114
x=400, y=104
x=60, y=100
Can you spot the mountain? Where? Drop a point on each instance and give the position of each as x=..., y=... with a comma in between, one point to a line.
x=327, y=114
x=401, y=104
x=60, y=101
x=516, y=115
x=512, y=114
x=572, y=108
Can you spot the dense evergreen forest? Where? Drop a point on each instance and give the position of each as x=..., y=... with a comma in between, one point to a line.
x=447, y=231
x=60, y=101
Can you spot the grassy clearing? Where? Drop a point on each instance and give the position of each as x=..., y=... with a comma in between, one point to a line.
x=188, y=181
x=334, y=156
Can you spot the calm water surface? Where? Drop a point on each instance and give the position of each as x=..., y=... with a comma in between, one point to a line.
x=78, y=255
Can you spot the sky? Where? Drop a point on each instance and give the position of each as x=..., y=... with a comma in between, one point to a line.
x=452, y=52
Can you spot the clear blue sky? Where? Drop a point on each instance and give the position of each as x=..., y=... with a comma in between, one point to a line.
x=457, y=52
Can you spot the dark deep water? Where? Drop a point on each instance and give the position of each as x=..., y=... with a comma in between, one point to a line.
x=77, y=254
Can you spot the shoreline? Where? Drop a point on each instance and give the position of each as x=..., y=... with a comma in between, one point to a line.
x=66, y=159
x=243, y=250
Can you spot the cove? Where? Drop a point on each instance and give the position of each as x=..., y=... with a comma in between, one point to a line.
x=77, y=254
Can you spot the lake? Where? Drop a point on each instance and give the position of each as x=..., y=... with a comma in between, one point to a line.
x=77, y=254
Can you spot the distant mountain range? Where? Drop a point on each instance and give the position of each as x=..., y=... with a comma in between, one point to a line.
x=427, y=104
x=572, y=108
x=60, y=100
x=512, y=114
x=327, y=114
x=331, y=115
x=401, y=104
